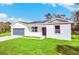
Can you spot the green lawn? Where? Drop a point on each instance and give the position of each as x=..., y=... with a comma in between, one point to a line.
x=27, y=46
x=75, y=37
x=5, y=34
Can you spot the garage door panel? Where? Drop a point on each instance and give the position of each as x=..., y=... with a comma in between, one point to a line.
x=18, y=31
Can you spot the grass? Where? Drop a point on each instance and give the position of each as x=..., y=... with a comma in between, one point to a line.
x=28, y=46
x=75, y=37
x=5, y=34
x=68, y=50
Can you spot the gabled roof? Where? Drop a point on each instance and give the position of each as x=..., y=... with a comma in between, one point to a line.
x=59, y=20
x=51, y=21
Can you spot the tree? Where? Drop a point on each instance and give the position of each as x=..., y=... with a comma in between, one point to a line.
x=75, y=25
x=4, y=26
x=59, y=15
x=48, y=16
x=8, y=26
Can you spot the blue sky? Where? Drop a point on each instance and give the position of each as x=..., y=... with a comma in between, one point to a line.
x=36, y=11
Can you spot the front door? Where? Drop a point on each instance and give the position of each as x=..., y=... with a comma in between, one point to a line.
x=44, y=31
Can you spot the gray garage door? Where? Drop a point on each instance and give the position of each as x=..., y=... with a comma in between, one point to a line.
x=18, y=31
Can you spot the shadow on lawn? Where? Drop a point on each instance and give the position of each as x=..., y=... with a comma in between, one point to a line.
x=68, y=50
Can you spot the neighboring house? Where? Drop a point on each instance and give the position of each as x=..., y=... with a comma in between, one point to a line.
x=58, y=28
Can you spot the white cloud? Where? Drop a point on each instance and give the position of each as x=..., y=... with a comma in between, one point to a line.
x=7, y=3
x=4, y=17
x=3, y=4
x=13, y=19
x=70, y=6
x=52, y=4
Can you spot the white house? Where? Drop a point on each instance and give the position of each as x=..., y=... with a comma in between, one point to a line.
x=59, y=28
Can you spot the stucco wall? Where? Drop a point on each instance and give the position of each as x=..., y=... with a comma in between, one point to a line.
x=65, y=32
x=28, y=31
x=17, y=25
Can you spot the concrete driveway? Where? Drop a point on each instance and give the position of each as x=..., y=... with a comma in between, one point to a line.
x=8, y=38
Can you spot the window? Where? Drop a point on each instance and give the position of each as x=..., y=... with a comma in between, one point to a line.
x=57, y=29
x=34, y=29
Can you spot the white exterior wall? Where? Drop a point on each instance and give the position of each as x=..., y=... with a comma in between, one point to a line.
x=27, y=31
x=17, y=25
x=30, y=33
x=65, y=32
